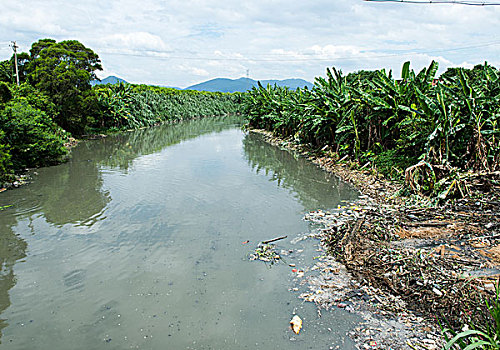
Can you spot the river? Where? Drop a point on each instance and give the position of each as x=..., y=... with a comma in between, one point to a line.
x=138, y=243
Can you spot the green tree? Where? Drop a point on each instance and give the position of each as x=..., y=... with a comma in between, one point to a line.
x=63, y=71
x=30, y=135
x=5, y=93
x=23, y=60
x=8, y=68
x=6, y=72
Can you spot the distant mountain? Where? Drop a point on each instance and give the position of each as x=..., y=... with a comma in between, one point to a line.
x=170, y=87
x=108, y=80
x=291, y=83
x=244, y=84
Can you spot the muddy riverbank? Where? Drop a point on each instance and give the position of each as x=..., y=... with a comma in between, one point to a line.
x=400, y=265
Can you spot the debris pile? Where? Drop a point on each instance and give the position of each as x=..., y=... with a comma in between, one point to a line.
x=439, y=262
x=406, y=258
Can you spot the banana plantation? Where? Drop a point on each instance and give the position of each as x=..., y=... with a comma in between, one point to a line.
x=425, y=129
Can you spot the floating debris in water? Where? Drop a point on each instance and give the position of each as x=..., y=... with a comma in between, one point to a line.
x=296, y=324
x=266, y=253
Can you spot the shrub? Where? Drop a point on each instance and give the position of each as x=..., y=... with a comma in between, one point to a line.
x=33, y=138
x=5, y=94
x=5, y=163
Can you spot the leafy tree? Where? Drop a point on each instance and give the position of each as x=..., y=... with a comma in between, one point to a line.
x=5, y=163
x=39, y=46
x=8, y=68
x=6, y=71
x=23, y=60
x=31, y=136
x=5, y=93
x=35, y=98
x=63, y=71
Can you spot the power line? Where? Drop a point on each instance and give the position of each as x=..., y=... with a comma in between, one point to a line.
x=457, y=2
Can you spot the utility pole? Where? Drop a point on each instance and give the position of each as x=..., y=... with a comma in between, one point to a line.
x=14, y=47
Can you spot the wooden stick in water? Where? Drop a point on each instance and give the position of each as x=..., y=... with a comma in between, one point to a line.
x=273, y=240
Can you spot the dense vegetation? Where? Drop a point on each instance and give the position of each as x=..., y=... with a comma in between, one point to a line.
x=424, y=130
x=56, y=100
x=420, y=128
x=132, y=106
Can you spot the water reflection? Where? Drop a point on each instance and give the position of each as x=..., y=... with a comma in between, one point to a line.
x=131, y=237
x=313, y=187
x=72, y=193
x=12, y=249
x=120, y=151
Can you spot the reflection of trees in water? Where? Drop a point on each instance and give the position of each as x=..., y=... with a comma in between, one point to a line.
x=72, y=193
x=120, y=150
x=313, y=187
x=12, y=249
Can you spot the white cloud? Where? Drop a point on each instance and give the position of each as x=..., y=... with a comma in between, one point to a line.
x=30, y=20
x=148, y=41
x=135, y=41
x=193, y=70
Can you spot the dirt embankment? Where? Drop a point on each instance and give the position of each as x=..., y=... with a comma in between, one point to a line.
x=428, y=263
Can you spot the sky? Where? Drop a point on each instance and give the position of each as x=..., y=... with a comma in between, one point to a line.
x=180, y=43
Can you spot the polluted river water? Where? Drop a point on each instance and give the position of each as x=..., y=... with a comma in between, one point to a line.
x=138, y=242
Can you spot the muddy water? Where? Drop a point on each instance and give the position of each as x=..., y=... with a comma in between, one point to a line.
x=137, y=242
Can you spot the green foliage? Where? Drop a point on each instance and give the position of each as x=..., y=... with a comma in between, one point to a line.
x=392, y=163
x=30, y=135
x=452, y=122
x=115, y=101
x=5, y=93
x=63, y=71
x=6, y=72
x=5, y=162
x=35, y=98
x=8, y=68
x=133, y=106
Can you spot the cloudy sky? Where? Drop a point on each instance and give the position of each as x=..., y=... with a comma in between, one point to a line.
x=179, y=43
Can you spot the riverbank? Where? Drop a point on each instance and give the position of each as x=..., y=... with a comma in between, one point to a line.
x=401, y=265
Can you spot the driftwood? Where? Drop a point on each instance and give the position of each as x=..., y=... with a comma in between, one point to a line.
x=273, y=240
x=426, y=224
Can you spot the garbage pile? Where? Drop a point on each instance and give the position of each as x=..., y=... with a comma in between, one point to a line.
x=440, y=262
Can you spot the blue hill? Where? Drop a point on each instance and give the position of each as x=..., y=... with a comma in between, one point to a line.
x=244, y=84
x=108, y=80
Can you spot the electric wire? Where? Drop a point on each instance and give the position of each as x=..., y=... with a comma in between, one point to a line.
x=457, y=2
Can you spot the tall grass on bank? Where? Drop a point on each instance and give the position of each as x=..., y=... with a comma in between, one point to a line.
x=133, y=106
x=417, y=128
